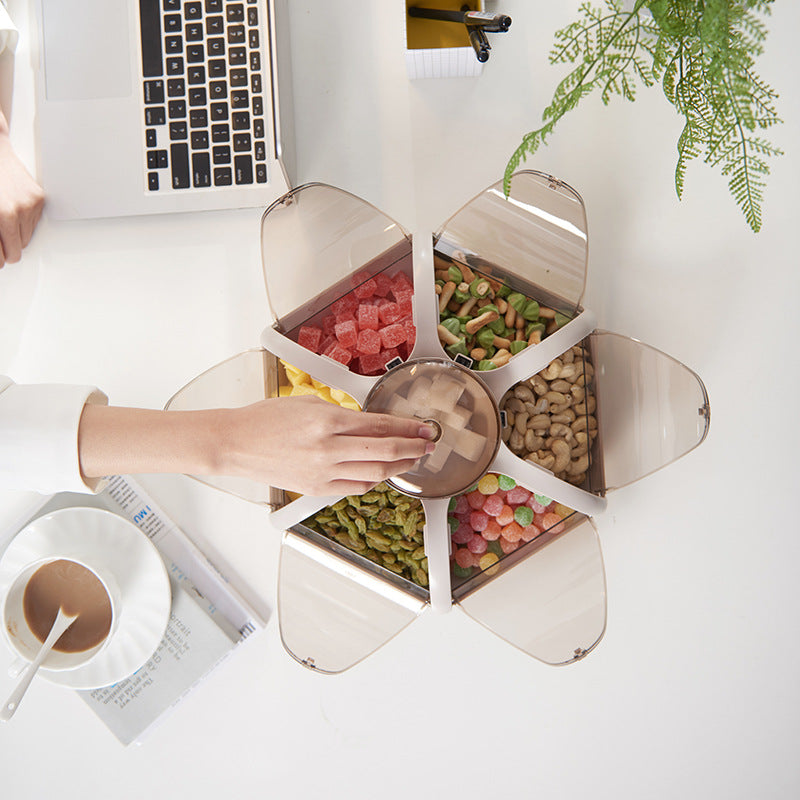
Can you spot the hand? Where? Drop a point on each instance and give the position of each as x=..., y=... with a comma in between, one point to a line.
x=21, y=201
x=309, y=446
x=298, y=443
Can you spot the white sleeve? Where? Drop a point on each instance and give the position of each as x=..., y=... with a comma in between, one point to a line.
x=8, y=33
x=39, y=436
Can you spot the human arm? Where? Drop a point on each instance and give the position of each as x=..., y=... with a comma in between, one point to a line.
x=303, y=444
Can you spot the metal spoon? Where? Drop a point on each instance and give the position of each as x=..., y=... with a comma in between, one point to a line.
x=62, y=622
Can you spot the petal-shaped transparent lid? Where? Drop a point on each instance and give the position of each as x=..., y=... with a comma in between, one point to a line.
x=314, y=238
x=333, y=614
x=538, y=233
x=651, y=409
x=551, y=603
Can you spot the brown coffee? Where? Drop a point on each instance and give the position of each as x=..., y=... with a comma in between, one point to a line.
x=68, y=585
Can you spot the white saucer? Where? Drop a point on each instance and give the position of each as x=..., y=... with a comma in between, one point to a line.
x=135, y=564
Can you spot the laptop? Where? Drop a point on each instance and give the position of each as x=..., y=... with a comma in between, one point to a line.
x=157, y=106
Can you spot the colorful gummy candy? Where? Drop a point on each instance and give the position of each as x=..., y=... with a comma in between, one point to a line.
x=366, y=328
x=493, y=519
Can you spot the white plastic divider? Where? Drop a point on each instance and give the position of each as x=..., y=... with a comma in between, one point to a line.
x=437, y=550
x=542, y=481
x=426, y=301
x=533, y=359
x=324, y=369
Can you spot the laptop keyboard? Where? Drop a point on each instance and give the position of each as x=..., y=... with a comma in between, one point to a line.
x=203, y=86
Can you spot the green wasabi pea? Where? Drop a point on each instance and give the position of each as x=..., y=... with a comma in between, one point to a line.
x=458, y=348
x=561, y=319
x=480, y=287
x=453, y=325
x=497, y=327
x=454, y=274
x=533, y=326
x=460, y=295
x=517, y=347
x=530, y=311
x=485, y=337
x=503, y=291
x=484, y=365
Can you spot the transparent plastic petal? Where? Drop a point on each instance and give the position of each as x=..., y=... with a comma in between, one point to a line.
x=314, y=239
x=549, y=599
x=651, y=409
x=536, y=238
x=332, y=614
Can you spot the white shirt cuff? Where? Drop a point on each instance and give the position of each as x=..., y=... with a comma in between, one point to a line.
x=39, y=437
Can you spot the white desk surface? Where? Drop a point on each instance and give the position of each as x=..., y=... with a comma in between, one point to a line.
x=694, y=690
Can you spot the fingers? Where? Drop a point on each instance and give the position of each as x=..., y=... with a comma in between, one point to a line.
x=384, y=425
x=386, y=449
x=10, y=241
x=360, y=476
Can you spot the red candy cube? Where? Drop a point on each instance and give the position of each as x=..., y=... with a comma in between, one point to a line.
x=339, y=353
x=372, y=364
x=389, y=313
x=401, y=284
x=369, y=342
x=344, y=304
x=347, y=333
x=393, y=335
x=309, y=336
x=366, y=289
x=383, y=284
x=368, y=317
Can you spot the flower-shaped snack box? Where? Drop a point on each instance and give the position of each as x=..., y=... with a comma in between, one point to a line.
x=547, y=594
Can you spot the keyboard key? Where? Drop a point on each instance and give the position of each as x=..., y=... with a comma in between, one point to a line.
x=193, y=10
x=215, y=26
x=177, y=131
x=196, y=74
x=252, y=16
x=195, y=53
x=223, y=176
x=241, y=142
x=150, y=137
x=152, y=181
x=220, y=133
x=238, y=77
x=199, y=140
x=219, y=112
x=221, y=154
x=176, y=87
x=172, y=5
x=197, y=96
x=258, y=128
x=172, y=23
x=153, y=92
x=261, y=173
x=155, y=115
x=150, y=23
x=156, y=159
x=255, y=83
x=260, y=151
x=258, y=107
x=252, y=38
x=236, y=34
x=243, y=169
x=176, y=109
x=175, y=66
x=240, y=121
x=179, y=157
x=235, y=12
x=173, y=44
x=237, y=56
x=193, y=31
x=216, y=46
x=218, y=90
x=198, y=118
x=240, y=98
x=201, y=170
x=213, y=6
x=217, y=68
x=255, y=62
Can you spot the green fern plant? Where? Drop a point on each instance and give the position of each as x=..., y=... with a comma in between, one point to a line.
x=702, y=53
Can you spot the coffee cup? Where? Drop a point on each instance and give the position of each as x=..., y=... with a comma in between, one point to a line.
x=74, y=584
